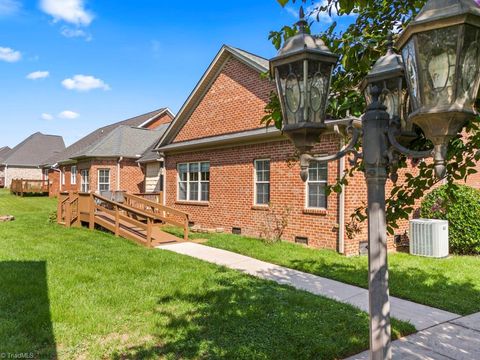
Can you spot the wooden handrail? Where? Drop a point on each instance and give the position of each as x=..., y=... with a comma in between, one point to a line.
x=158, y=209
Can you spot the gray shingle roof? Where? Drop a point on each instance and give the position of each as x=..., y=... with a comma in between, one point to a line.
x=150, y=155
x=97, y=135
x=3, y=152
x=260, y=61
x=34, y=150
x=126, y=141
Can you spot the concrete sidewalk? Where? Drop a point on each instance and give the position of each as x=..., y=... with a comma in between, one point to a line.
x=457, y=339
x=420, y=316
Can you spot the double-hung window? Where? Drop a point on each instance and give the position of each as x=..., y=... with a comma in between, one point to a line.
x=73, y=175
x=262, y=182
x=194, y=181
x=316, y=183
x=103, y=180
x=85, y=180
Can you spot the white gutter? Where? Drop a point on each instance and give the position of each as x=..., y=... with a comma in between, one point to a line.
x=118, y=172
x=341, y=198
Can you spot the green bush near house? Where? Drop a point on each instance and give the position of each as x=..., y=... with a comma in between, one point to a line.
x=460, y=205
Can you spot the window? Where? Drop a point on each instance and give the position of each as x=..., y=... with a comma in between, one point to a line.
x=262, y=182
x=85, y=181
x=317, y=181
x=73, y=175
x=103, y=180
x=194, y=181
x=62, y=176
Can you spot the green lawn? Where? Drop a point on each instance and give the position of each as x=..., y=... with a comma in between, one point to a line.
x=73, y=293
x=451, y=284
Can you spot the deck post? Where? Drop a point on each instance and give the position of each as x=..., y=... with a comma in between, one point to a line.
x=21, y=187
x=91, y=215
x=149, y=232
x=59, y=210
x=117, y=221
x=68, y=212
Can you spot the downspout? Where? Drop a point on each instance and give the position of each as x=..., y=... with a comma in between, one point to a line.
x=6, y=176
x=341, y=199
x=120, y=159
x=164, y=173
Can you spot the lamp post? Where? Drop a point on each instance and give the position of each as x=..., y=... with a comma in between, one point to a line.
x=439, y=69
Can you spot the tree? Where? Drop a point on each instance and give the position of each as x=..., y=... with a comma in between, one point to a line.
x=359, y=46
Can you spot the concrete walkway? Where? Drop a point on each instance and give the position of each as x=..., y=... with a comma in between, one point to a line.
x=420, y=316
x=457, y=339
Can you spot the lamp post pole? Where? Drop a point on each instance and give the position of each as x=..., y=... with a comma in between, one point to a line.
x=375, y=146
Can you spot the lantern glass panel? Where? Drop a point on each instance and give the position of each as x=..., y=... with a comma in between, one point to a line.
x=319, y=75
x=289, y=87
x=437, y=53
x=411, y=73
x=470, y=66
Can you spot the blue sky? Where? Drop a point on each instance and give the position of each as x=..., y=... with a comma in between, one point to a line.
x=70, y=66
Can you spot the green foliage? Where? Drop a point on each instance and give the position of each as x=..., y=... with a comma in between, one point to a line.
x=460, y=205
x=359, y=46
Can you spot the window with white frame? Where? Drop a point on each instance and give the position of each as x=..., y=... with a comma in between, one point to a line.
x=85, y=180
x=262, y=182
x=73, y=175
x=104, y=180
x=316, y=184
x=194, y=181
x=62, y=176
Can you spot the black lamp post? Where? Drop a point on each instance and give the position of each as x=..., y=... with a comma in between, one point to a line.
x=441, y=68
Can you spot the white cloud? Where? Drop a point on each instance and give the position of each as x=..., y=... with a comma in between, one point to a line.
x=76, y=33
x=68, y=114
x=70, y=11
x=46, y=116
x=9, y=55
x=9, y=7
x=38, y=75
x=84, y=83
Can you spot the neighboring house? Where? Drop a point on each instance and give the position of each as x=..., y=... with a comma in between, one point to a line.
x=3, y=152
x=106, y=159
x=228, y=171
x=25, y=160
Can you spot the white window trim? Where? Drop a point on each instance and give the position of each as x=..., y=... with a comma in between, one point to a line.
x=73, y=175
x=188, y=182
x=255, y=182
x=82, y=180
x=307, y=194
x=109, y=180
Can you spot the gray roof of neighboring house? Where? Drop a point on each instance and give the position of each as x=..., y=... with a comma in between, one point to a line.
x=124, y=141
x=150, y=155
x=34, y=150
x=99, y=134
x=3, y=152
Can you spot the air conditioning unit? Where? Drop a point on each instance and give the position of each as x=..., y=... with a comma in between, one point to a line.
x=429, y=237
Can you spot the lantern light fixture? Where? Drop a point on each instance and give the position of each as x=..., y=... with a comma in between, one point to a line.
x=302, y=70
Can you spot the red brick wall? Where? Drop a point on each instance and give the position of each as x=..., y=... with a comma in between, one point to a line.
x=234, y=102
x=232, y=191
x=131, y=176
x=164, y=119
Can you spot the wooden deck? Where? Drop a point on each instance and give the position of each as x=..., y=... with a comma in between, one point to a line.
x=24, y=186
x=135, y=218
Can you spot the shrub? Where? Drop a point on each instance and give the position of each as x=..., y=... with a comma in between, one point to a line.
x=460, y=205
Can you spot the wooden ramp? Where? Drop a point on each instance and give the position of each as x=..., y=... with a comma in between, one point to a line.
x=133, y=218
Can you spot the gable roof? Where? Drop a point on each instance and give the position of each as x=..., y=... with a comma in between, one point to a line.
x=138, y=121
x=123, y=141
x=34, y=150
x=3, y=152
x=254, y=61
x=150, y=155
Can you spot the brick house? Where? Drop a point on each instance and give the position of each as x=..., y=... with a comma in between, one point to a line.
x=106, y=159
x=25, y=160
x=228, y=171
x=3, y=153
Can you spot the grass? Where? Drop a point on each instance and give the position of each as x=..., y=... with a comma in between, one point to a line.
x=452, y=284
x=74, y=293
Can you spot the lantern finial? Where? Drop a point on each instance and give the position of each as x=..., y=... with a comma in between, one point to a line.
x=302, y=23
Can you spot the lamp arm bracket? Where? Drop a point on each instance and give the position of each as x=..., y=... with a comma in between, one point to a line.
x=305, y=159
x=392, y=133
